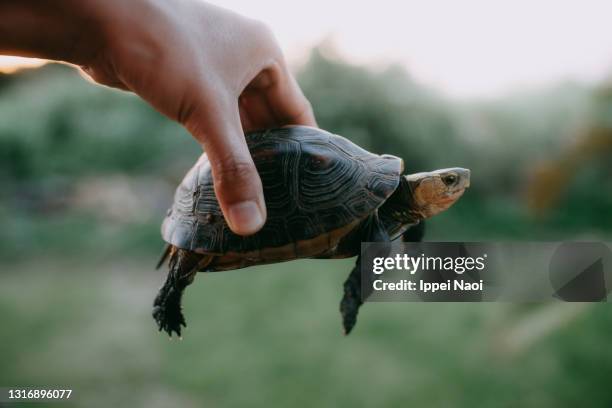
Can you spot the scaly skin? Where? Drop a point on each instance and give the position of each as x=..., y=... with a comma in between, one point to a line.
x=418, y=196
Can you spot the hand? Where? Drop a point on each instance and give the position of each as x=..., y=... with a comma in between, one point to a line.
x=215, y=72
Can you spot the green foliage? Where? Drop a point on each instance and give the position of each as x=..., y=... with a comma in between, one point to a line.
x=384, y=112
x=57, y=131
x=77, y=280
x=502, y=141
x=53, y=123
x=271, y=336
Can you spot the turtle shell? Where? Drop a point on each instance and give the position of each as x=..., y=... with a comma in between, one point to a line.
x=314, y=183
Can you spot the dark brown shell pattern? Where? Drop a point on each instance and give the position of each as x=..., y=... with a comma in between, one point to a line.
x=314, y=182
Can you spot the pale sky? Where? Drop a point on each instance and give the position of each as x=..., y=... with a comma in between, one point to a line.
x=467, y=48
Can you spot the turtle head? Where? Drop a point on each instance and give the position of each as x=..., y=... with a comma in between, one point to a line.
x=435, y=191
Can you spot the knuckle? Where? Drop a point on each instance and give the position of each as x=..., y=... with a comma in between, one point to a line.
x=264, y=38
x=261, y=29
x=307, y=110
x=302, y=114
x=232, y=170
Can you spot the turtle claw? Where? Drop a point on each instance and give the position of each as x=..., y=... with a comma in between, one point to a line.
x=167, y=311
x=169, y=322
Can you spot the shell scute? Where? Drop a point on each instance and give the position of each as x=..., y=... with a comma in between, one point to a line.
x=314, y=183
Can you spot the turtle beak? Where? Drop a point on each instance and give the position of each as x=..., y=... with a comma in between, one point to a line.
x=464, y=175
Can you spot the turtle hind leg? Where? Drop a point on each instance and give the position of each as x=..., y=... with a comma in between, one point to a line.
x=167, y=310
x=351, y=301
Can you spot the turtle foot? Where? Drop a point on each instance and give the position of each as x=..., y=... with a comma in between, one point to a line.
x=167, y=311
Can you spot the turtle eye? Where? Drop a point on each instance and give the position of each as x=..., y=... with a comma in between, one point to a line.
x=449, y=179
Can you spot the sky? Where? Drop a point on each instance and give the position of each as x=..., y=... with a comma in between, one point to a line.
x=467, y=48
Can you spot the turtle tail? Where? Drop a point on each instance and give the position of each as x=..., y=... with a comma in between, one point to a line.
x=164, y=256
x=183, y=266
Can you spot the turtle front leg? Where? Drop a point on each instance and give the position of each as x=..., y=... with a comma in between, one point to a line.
x=372, y=231
x=167, y=310
x=351, y=301
x=416, y=233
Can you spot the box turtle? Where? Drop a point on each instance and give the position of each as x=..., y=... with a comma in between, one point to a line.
x=324, y=196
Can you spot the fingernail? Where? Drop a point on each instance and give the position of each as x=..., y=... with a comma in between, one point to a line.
x=245, y=218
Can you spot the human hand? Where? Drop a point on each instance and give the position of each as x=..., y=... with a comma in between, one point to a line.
x=217, y=73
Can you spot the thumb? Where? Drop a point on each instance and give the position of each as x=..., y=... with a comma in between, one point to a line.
x=237, y=184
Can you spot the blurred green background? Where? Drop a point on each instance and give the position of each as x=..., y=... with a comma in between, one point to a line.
x=87, y=174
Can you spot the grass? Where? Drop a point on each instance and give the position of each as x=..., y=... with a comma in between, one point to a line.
x=75, y=300
x=273, y=338
x=76, y=288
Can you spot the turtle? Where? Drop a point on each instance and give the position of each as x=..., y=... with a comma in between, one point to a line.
x=324, y=196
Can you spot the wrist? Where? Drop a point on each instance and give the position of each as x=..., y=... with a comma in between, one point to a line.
x=73, y=31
